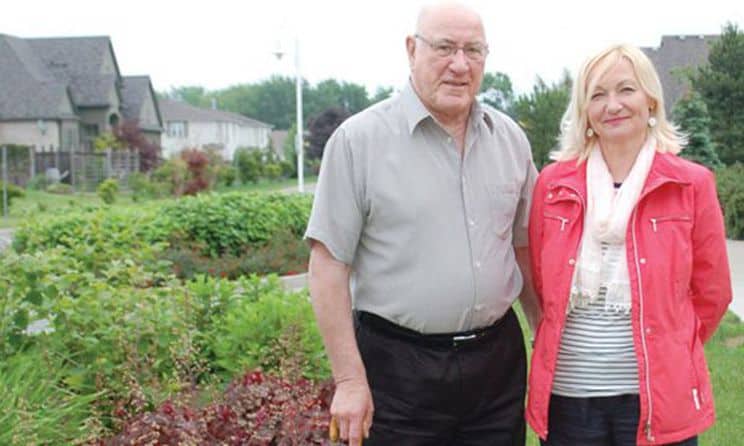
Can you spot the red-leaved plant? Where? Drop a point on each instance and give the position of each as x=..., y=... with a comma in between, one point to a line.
x=256, y=410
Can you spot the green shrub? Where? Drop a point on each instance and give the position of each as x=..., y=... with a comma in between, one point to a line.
x=142, y=187
x=107, y=190
x=273, y=171
x=226, y=175
x=60, y=189
x=13, y=192
x=38, y=182
x=249, y=163
x=274, y=330
x=230, y=222
x=285, y=253
x=173, y=174
x=731, y=194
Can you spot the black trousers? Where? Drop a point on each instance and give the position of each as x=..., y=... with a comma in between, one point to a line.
x=436, y=390
x=599, y=421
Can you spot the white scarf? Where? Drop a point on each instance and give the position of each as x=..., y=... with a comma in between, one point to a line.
x=606, y=221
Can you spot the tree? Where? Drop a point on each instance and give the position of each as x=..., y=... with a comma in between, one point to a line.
x=381, y=94
x=272, y=101
x=194, y=95
x=691, y=115
x=539, y=113
x=496, y=90
x=131, y=136
x=721, y=85
x=321, y=127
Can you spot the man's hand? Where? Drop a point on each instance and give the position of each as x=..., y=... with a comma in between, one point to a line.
x=352, y=407
x=352, y=410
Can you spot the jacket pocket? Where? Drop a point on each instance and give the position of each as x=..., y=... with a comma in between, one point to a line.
x=658, y=223
x=563, y=220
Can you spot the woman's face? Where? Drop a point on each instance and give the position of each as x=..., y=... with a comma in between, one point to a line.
x=618, y=109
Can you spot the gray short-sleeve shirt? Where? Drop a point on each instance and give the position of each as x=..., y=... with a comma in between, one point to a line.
x=428, y=234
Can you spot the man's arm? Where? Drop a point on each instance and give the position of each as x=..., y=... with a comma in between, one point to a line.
x=329, y=289
x=528, y=297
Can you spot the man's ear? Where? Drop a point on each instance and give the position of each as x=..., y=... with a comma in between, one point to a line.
x=411, y=49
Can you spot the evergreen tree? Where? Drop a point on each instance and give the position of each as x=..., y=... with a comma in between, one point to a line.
x=539, y=113
x=721, y=85
x=691, y=115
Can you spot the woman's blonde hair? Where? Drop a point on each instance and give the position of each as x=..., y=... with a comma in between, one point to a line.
x=574, y=141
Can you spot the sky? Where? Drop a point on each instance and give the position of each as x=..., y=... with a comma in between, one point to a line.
x=219, y=43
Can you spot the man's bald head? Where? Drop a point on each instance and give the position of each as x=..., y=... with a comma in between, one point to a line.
x=435, y=14
x=447, y=58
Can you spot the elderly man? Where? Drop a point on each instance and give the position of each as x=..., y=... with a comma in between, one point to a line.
x=418, y=235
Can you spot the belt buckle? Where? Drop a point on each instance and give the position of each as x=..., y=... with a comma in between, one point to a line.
x=462, y=338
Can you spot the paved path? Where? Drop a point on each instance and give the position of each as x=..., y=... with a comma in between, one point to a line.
x=6, y=237
x=308, y=187
x=736, y=261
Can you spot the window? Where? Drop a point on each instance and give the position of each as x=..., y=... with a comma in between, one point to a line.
x=70, y=139
x=90, y=130
x=176, y=129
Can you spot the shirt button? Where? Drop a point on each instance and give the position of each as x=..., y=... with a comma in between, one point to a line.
x=643, y=261
x=449, y=140
x=648, y=330
x=471, y=223
x=477, y=265
x=571, y=262
x=550, y=196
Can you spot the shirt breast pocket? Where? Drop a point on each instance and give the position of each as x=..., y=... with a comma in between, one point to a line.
x=503, y=200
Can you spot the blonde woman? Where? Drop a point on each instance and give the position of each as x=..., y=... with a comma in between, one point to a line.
x=629, y=261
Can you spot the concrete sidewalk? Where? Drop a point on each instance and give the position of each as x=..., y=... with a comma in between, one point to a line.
x=736, y=262
x=6, y=238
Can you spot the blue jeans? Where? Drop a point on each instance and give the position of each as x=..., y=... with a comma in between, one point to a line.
x=600, y=421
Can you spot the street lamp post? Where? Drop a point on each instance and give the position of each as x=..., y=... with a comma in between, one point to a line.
x=299, y=145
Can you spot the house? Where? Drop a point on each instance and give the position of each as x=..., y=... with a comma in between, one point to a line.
x=188, y=126
x=672, y=57
x=64, y=92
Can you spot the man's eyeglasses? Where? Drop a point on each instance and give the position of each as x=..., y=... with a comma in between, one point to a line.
x=476, y=52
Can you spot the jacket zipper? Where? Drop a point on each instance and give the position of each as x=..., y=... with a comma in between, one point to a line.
x=563, y=224
x=656, y=220
x=647, y=429
x=647, y=380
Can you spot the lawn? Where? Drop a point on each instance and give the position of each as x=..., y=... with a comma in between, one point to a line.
x=38, y=204
x=725, y=355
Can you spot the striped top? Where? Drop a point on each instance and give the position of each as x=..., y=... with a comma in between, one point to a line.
x=596, y=355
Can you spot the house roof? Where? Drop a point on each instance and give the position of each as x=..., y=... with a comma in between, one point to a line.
x=180, y=111
x=135, y=91
x=672, y=56
x=28, y=90
x=79, y=62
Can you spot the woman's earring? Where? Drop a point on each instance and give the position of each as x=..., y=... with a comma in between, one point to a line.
x=590, y=132
x=652, y=122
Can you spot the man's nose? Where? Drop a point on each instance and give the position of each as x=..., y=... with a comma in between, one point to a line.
x=459, y=61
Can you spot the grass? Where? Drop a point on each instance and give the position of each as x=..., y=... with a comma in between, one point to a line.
x=38, y=204
x=725, y=355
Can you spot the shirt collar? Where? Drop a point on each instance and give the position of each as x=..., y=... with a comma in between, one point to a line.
x=415, y=111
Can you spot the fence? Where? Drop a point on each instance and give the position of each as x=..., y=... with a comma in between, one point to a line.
x=84, y=171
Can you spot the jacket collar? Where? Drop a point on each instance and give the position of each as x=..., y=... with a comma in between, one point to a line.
x=666, y=168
